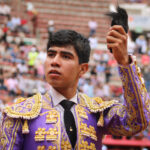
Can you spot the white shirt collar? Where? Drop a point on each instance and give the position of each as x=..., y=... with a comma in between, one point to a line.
x=57, y=97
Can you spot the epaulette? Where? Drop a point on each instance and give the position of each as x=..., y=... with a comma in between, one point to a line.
x=25, y=108
x=96, y=104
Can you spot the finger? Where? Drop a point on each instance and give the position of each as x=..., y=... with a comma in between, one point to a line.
x=111, y=39
x=112, y=46
x=115, y=33
x=118, y=28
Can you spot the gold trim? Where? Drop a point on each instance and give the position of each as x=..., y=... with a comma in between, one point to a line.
x=25, y=127
x=78, y=130
x=97, y=107
x=33, y=113
x=14, y=135
x=138, y=101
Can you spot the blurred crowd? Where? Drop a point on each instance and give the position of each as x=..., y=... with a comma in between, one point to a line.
x=22, y=69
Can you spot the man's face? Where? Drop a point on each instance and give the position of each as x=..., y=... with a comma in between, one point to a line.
x=62, y=68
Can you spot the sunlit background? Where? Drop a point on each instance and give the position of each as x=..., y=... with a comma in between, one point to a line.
x=26, y=25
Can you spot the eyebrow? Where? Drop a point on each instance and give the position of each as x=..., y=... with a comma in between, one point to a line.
x=62, y=52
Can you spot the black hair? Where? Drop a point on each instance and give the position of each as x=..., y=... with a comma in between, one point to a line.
x=119, y=18
x=73, y=38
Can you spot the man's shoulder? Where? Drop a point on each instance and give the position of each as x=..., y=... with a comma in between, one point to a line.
x=96, y=104
x=25, y=108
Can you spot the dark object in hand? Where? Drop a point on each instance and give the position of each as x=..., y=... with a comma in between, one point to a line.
x=119, y=18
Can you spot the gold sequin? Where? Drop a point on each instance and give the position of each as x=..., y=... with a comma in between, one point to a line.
x=51, y=134
x=82, y=113
x=65, y=145
x=52, y=117
x=28, y=109
x=41, y=148
x=89, y=132
x=40, y=134
x=52, y=148
x=84, y=146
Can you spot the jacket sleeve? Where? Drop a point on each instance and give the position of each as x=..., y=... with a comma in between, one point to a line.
x=133, y=115
x=11, y=137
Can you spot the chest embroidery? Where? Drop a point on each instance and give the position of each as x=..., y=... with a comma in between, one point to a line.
x=85, y=146
x=52, y=117
x=90, y=132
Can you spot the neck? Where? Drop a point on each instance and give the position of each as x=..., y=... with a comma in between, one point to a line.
x=68, y=93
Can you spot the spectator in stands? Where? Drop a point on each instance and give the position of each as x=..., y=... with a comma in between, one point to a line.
x=4, y=9
x=146, y=74
x=38, y=121
x=4, y=36
x=93, y=42
x=107, y=73
x=51, y=28
x=16, y=23
x=141, y=44
x=22, y=68
x=131, y=45
x=2, y=86
x=12, y=85
x=92, y=26
x=32, y=55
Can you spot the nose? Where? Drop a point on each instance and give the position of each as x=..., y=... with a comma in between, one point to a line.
x=55, y=61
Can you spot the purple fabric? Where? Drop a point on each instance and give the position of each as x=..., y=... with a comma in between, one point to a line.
x=120, y=119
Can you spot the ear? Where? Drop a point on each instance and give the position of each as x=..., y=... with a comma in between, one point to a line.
x=83, y=69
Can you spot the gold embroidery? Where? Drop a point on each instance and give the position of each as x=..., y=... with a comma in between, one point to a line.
x=25, y=127
x=6, y=131
x=90, y=132
x=9, y=123
x=82, y=112
x=65, y=145
x=48, y=97
x=130, y=110
x=51, y=134
x=52, y=148
x=14, y=134
x=19, y=100
x=94, y=106
x=52, y=117
x=30, y=108
x=46, y=105
x=40, y=134
x=84, y=146
x=81, y=100
x=41, y=148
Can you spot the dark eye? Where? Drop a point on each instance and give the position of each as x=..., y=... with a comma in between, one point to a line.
x=51, y=54
x=66, y=57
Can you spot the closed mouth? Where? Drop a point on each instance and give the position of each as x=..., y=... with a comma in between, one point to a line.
x=54, y=72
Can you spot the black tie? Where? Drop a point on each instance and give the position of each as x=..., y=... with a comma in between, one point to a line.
x=69, y=121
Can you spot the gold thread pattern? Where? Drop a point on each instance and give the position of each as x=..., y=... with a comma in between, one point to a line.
x=52, y=117
x=51, y=134
x=89, y=132
x=40, y=134
x=25, y=127
x=94, y=106
x=82, y=112
x=52, y=148
x=65, y=145
x=85, y=146
x=41, y=148
x=133, y=102
x=29, y=109
x=14, y=134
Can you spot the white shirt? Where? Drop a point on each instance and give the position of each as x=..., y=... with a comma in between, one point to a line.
x=56, y=98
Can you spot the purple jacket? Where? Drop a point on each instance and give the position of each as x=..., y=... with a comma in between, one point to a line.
x=34, y=123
